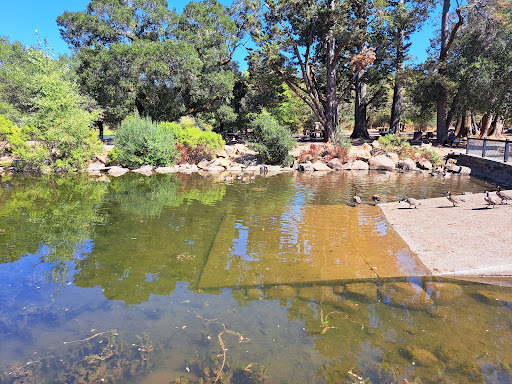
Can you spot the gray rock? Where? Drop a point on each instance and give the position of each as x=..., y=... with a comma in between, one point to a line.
x=319, y=166
x=117, y=171
x=335, y=164
x=96, y=166
x=424, y=164
x=381, y=162
x=162, y=170
x=306, y=167
x=360, y=165
x=144, y=170
x=407, y=164
x=203, y=164
x=187, y=168
x=393, y=156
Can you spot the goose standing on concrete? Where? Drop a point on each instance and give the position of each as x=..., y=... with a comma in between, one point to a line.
x=491, y=200
x=504, y=196
x=455, y=200
x=412, y=202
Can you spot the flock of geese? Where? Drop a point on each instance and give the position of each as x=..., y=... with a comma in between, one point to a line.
x=501, y=197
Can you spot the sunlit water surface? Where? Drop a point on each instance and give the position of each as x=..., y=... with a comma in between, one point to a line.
x=172, y=278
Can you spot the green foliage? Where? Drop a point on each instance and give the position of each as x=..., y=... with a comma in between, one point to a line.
x=273, y=141
x=140, y=141
x=188, y=133
x=399, y=145
x=142, y=55
x=57, y=134
x=388, y=142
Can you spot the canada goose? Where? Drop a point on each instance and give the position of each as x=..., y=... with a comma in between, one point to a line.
x=412, y=202
x=356, y=199
x=454, y=199
x=376, y=198
x=504, y=196
x=491, y=200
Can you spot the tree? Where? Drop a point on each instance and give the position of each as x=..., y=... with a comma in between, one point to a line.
x=405, y=17
x=301, y=42
x=475, y=76
x=141, y=55
x=17, y=88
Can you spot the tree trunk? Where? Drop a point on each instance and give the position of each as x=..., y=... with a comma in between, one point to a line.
x=446, y=42
x=497, y=127
x=99, y=124
x=486, y=123
x=331, y=107
x=396, y=108
x=459, y=131
x=360, y=108
x=442, y=129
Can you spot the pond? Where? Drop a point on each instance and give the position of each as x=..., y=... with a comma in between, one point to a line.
x=185, y=278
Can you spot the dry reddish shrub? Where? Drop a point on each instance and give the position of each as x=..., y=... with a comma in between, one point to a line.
x=193, y=155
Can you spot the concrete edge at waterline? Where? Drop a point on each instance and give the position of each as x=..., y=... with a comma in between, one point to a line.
x=466, y=240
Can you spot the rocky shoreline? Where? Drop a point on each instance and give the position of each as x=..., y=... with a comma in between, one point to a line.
x=238, y=161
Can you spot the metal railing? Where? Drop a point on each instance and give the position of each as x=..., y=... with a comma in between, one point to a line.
x=489, y=148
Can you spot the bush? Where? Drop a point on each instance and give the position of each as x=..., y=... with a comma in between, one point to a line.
x=400, y=145
x=189, y=134
x=140, y=141
x=60, y=135
x=273, y=141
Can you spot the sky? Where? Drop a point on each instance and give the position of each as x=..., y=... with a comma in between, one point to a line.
x=22, y=18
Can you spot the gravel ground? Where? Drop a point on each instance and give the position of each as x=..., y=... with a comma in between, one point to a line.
x=467, y=240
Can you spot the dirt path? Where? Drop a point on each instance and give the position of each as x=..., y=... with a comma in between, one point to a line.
x=468, y=240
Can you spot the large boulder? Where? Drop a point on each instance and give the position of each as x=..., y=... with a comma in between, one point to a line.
x=407, y=164
x=203, y=164
x=146, y=170
x=163, y=170
x=424, y=164
x=459, y=169
x=306, y=167
x=358, y=153
x=117, y=171
x=360, y=165
x=222, y=162
x=366, y=147
x=393, y=156
x=335, y=164
x=319, y=166
x=96, y=166
x=187, y=168
x=381, y=162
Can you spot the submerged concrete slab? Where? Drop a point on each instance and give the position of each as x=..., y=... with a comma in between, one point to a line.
x=307, y=244
x=468, y=240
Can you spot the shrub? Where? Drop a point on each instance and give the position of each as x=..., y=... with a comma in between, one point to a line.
x=273, y=141
x=193, y=155
x=141, y=141
x=400, y=145
x=189, y=134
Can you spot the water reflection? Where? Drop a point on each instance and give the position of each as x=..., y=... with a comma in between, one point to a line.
x=141, y=276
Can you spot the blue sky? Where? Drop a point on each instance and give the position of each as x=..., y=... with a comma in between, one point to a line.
x=22, y=18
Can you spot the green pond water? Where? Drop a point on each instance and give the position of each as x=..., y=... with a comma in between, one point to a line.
x=186, y=278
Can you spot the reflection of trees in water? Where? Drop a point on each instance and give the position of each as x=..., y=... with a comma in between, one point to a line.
x=50, y=212
x=58, y=217
x=159, y=232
